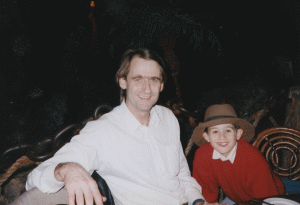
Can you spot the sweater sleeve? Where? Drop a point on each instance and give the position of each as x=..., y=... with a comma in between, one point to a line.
x=264, y=182
x=204, y=176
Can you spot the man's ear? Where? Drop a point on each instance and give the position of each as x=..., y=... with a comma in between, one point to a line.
x=239, y=134
x=205, y=135
x=161, y=87
x=122, y=83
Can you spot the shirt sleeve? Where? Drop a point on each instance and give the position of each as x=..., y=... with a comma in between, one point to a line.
x=204, y=177
x=80, y=150
x=193, y=190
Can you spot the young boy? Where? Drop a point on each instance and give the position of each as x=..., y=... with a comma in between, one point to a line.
x=229, y=162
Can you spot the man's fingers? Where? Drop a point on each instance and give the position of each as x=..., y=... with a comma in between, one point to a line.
x=71, y=197
x=88, y=196
x=99, y=199
x=79, y=199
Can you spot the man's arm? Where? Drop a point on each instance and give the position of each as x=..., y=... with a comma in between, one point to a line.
x=80, y=186
x=71, y=166
x=193, y=189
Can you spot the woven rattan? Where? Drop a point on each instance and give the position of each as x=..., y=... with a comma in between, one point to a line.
x=280, y=146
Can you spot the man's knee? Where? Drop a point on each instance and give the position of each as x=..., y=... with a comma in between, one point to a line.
x=35, y=196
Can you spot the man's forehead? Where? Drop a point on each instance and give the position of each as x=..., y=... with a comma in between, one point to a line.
x=144, y=68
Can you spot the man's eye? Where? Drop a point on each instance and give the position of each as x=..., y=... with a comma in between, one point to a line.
x=155, y=80
x=138, y=79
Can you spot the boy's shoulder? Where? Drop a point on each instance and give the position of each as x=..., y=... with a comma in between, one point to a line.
x=248, y=152
x=205, y=151
x=247, y=147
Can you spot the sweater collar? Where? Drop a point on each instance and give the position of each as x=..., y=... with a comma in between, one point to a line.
x=230, y=157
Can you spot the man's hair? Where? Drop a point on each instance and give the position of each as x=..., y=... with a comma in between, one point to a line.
x=142, y=53
x=235, y=126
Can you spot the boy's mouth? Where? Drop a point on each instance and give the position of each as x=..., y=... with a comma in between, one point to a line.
x=222, y=144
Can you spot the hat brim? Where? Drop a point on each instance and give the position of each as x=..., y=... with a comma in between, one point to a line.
x=247, y=127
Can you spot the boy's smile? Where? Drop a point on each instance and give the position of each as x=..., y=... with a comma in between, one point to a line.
x=223, y=137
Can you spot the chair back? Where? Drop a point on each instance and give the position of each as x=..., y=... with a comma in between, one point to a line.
x=280, y=146
x=103, y=188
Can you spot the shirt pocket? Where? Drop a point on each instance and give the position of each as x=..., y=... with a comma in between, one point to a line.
x=172, y=158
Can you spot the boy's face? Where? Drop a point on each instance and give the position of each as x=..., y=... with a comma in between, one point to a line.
x=223, y=137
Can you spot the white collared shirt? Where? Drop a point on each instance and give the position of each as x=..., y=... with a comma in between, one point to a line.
x=141, y=164
x=230, y=157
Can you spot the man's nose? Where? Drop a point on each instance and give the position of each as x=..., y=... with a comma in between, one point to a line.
x=146, y=85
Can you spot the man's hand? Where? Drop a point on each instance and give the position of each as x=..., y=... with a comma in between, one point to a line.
x=200, y=203
x=79, y=184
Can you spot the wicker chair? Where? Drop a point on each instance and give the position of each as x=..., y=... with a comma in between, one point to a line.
x=281, y=146
x=57, y=141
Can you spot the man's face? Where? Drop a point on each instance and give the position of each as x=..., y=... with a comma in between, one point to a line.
x=143, y=85
x=223, y=137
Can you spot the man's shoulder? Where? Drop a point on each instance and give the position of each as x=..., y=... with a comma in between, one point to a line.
x=96, y=124
x=164, y=112
x=163, y=109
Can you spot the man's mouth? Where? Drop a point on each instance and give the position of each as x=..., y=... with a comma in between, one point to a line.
x=145, y=98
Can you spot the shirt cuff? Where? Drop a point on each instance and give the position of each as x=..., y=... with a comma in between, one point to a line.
x=48, y=182
x=197, y=200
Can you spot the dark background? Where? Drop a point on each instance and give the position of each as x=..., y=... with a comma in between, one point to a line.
x=55, y=69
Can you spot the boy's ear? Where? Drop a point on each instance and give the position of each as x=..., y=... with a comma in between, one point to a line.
x=239, y=134
x=205, y=135
x=122, y=83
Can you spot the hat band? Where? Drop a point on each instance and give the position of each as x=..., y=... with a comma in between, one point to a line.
x=218, y=117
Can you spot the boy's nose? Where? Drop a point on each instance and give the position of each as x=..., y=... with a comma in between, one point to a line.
x=222, y=135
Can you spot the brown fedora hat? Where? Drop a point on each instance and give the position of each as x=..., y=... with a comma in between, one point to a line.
x=222, y=114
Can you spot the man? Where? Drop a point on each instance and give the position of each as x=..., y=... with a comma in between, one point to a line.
x=135, y=147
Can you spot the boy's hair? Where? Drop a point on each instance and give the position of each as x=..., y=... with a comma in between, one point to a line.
x=235, y=126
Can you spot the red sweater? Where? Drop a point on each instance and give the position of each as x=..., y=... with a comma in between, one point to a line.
x=250, y=176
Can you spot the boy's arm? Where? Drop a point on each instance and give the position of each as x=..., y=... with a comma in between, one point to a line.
x=202, y=174
x=263, y=182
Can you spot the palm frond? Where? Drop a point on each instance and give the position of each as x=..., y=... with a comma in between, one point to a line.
x=146, y=26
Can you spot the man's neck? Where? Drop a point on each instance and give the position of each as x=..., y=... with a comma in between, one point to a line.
x=143, y=118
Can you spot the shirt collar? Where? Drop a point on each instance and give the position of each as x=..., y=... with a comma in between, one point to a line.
x=230, y=157
x=132, y=123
